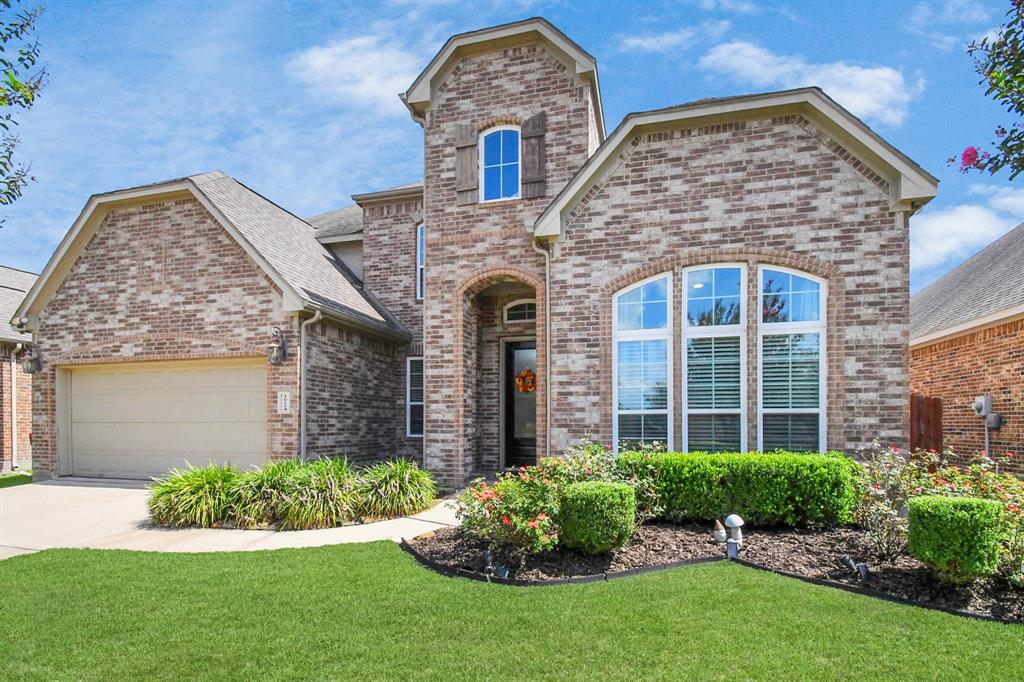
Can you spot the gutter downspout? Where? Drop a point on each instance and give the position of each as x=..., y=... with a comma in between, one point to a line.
x=302, y=382
x=14, y=406
x=547, y=344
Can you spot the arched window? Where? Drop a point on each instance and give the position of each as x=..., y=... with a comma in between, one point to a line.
x=499, y=163
x=523, y=310
x=642, y=363
x=714, y=359
x=791, y=358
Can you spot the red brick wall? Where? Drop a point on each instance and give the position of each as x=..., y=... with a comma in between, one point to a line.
x=759, y=192
x=472, y=247
x=985, y=362
x=24, y=413
x=161, y=281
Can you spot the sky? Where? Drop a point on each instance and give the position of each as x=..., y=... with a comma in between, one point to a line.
x=298, y=100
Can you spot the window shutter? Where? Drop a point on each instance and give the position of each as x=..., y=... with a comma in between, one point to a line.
x=534, y=156
x=466, y=165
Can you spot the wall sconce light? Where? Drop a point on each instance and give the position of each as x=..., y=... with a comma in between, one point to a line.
x=30, y=361
x=277, y=351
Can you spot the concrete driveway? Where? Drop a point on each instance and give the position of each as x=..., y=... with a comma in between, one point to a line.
x=112, y=515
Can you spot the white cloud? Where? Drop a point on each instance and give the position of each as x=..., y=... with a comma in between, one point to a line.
x=879, y=93
x=941, y=24
x=942, y=239
x=362, y=71
x=674, y=40
x=737, y=6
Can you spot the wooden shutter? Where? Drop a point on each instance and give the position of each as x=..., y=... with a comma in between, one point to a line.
x=466, y=165
x=534, y=156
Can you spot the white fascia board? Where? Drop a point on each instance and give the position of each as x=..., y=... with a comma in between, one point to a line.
x=915, y=186
x=340, y=238
x=977, y=324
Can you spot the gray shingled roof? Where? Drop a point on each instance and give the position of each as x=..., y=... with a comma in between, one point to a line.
x=990, y=281
x=289, y=246
x=338, y=223
x=14, y=284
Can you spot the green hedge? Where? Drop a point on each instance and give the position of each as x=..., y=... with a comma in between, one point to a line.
x=778, y=488
x=958, y=537
x=597, y=517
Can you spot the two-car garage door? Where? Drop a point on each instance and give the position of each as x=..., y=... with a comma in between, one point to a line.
x=138, y=420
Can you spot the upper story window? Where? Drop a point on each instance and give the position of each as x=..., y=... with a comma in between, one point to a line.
x=499, y=164
x=521, y=311
x=421, y=259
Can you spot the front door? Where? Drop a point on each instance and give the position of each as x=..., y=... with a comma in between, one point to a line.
x=520, y=403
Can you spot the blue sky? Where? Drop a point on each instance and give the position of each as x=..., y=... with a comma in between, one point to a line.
x=298, y=100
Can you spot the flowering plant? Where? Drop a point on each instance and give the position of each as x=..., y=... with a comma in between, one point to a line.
x=515, y=514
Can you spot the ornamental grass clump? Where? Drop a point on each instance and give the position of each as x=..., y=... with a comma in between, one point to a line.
x=958, y=537
x=596, y=517
x=259, y=495
x=320, y=494
x=193, y=496
x=395, y=488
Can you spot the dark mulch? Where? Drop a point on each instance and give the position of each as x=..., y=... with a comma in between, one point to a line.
x=814, y=553
x=652, y=545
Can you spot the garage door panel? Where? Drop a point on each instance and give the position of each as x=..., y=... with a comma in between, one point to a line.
x=138, y=421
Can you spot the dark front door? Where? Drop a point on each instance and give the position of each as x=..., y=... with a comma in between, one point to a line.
x=520, y=403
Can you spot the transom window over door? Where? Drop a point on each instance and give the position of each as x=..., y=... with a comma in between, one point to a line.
x=714, y=356
x=499, y=163
x=791, y=381
x=642, y=363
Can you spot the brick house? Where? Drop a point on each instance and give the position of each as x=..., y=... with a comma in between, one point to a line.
x=15, y=384
x=967, y=340
x=725, y=274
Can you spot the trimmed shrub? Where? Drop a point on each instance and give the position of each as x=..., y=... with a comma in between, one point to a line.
x=320, y=494
x=778, y=488
x=194, y=496
x=596, y=516
x=259, y=494
x=958, y=537
x=395, y=488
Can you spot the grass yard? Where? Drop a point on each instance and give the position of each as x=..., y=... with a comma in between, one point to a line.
x=370, y=612
x=11, y=479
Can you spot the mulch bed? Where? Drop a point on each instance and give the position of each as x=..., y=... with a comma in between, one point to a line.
x=811, y=553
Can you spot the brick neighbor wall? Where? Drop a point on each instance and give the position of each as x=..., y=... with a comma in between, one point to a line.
x=771, y=191
x=24, y=413
x=985, y=362
x=161, y=281
x=389, y=271
x=472, y=247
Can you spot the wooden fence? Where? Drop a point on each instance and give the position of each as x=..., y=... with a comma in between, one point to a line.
x=925, y=422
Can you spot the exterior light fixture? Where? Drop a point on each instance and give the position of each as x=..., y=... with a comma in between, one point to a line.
x=734, y=523
x=30, y=362
x=277, y=351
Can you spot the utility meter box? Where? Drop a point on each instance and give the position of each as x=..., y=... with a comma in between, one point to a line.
x=982, y=405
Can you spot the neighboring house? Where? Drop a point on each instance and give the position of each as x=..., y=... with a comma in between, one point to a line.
x=547, y=280
x=967, y=340
x=15, y=385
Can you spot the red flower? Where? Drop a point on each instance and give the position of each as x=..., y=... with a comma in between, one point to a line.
x=506, y=520
x=970, y=158
x=542, y=516
x=533, y=523
x=1009, y=455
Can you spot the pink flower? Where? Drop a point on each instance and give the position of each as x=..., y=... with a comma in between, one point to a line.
x=969, y=159
x=1000, y=131
x=533, y=523
x=506, y=520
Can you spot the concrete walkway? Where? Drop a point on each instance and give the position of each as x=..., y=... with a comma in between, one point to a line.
x=112, y=515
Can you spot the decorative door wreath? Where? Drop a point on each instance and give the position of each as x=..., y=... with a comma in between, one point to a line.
x=526, y=381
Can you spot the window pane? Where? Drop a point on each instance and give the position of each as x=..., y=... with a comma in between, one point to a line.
x=655, y=315
x=699, y=284
x=713, y=378
x=492, y=148
x=521, y=311
x=492, y=183
x=775, y=308
x=643, y=375
x=656, y=290
x=805, y=307
x=789, y=298
x=700, y=312
x=790, y=371
x=416, y=420
x=713, y=297
x=798, y=432
x=727, y=310
x=799, y=283
x=775, y=281
x=509, y=146
x=630, y=315
x=642, y=428
x=645, y=307
x=416, y=381
x=510, y=181
x=727, y=282
x=713, y=433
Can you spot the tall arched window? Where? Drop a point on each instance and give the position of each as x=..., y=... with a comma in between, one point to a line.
x=714, y=359
x=791, y=358
x=642, y=363
x=499, y=164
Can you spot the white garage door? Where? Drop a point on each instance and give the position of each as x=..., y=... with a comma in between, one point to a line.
x=140, y=420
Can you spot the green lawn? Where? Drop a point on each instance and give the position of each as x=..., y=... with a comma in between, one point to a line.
x=370, y=612
x=14, y=478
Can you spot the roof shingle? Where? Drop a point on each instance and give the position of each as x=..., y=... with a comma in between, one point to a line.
x=14, y=284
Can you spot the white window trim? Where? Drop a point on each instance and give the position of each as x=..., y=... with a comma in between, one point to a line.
x=781, y=328
x=725, y=330
x=480, y=164
x=643, y=334
x=518, y=301
x=421, y=257
x=408, y=397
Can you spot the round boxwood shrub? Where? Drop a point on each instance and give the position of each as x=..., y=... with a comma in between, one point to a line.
x=958, y=537
x=596, y=516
